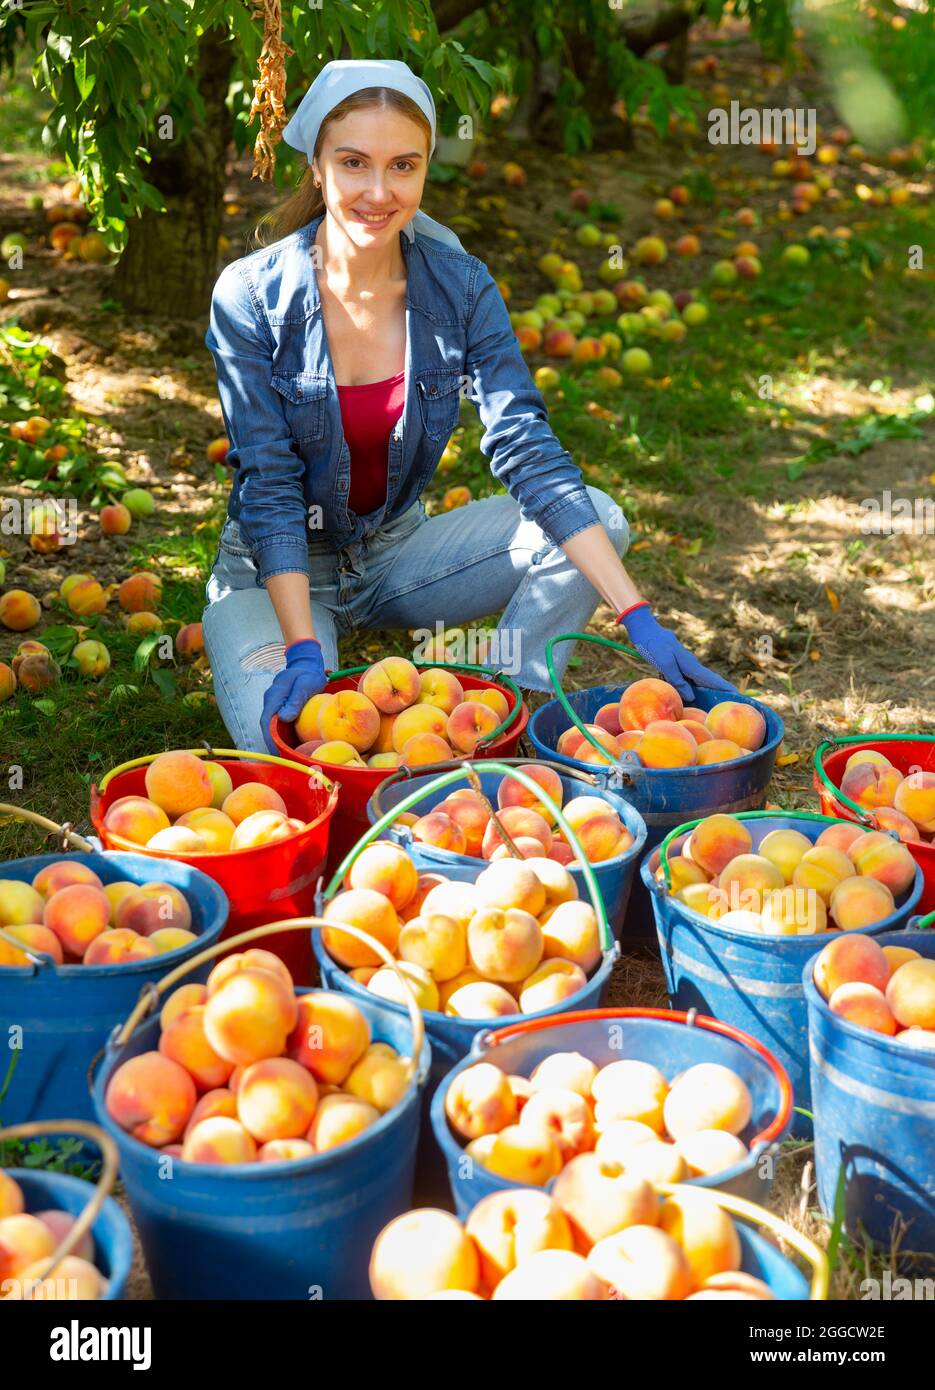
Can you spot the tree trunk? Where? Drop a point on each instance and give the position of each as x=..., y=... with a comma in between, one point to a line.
x=171, y=260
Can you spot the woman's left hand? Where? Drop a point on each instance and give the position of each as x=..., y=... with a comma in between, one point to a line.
x=662, y=649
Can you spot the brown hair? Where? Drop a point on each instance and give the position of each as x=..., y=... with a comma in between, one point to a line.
x=307, y=201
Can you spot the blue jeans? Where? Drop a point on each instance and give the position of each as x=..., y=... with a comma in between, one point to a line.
x=418, y=572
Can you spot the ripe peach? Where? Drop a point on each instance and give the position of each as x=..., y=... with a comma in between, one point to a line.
x=558, y=883
x=848, y=959
x=683, y=871
x=39, y=673
x=436, y=828
x=647, y=701
x=495, y=699
x=220, y=1101
x=867, y=755
x=351, y=718
x=709, y=1151
x=571, y=933
x=34, y=938
x=508, y=884
x=7, y=681
x=252, y=959
x=386, y=983
x=185, y=997
x=915, y=797
x=527, y=1155
x=517, y=821
x=185, y=1042
x=550, y=984
x=453, y=899
x=24, y=1241
x=471, y=818
x=513, y=793
x=565, y=1070
x=330, y=1036
x=509, y=1227
x=784, y=848
x=78, y=1277
x=792, y=911
x=666, y=744
x=385, y=868
x=642, y=1262
x=585, y=752
x=504, y=945
x=705, y=898
x=425, y=883
x=863, y=1005
x=522, y=1088
x=871, y=785
x=477, y=998
x=704, y=1231
x=630, y=1090
x=391, y=684
x=599, y=1199
x=468, y=724
x=822, y=868
x=551, y=1275
x=563, y=1113
x=859, y=902
x=218, y=1139
x=436, y=943
x=177, y=782
x=897, y=956
x=608, y=718
x=381, y=1077
x=76, y=914
x=12, y=1201
x=617, y=1139
x=337, y=750
x=880, y=857
x=840, y=836
x=888, y=818
x=421, y=750
x=707, y=1096
x=263, y=828
x=747, y=879
x=371, y=912
x=602, y=837
x=250, y=1017
x=719, y=750
x=60, y=1223
x=189, y=641
x=917, y=1038
x=285, y=1150
x=140, y=593
x=439, y=688
x=698, y=731
x=423, y=1253
x=480, y=1101
x=151, y=1097
x=307, y=726
x=718, y=840
x=135, y=818
x=213, y=827
x=62, y=874
x=19, y=611
x=910, y=993
x=276, y=1099
x=151, y=907
x=178, y=839
x=338, y=1119
x=741, y=724
x=115, y=520
x=418, y=719
x=116, y=947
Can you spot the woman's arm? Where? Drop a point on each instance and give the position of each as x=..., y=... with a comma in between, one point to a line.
x=593, y=554
x=291, y=600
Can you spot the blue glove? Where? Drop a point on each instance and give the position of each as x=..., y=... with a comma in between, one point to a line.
x=302, y=677
x=662, y=649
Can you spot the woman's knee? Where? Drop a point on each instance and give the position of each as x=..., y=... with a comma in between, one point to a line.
x=612, y=519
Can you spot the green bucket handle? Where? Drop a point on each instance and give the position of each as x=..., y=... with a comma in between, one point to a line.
x=737, y=815
x=445, y=780
x=627, y=761
x=865, y=817
x=497, y=676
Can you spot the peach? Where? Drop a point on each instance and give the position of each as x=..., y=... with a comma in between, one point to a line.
x=922, y=1039
x=218, y=1139
x=571, y=933
x=641, y=1262
x=841, y=835
x=569, y=739
x=792, y=912
x=518, y=822
x=189, y=641
x=20, y=903
x=878, y=856
x=62, y=874
x=784, y=848
x=821, y=869
x=741, y=724
x=185, y=1042
x=338, y=1120
x=910, y=993
x=863, y=1005
x=709, y=1151
x=563, y=1113
x=436, y=943
x=915, y=797
x=41, y=673
x=220, y=1101
x=439, y=830
x=19, y=611
x=285, y=1150
x=747, y=879
x=480, y=1101
x=425, y=883
x=553, y=982
x=847, y=959
x=867, y=755
x=370, y=912
x=683, y=871
x=151, y=1097
x=457, y=900
x=871, y=785
x=468, y=724
x=630, y=1090
x=439, y=688
x=253, y=959
x=140, y=593
x=12, y=1201
x=73, y=1279
x=732, y=1284
x=390, y=685
x=565, y=1070
x=716, y=841
x=77, y=915
x=648, y=701
x=657, y=1161
x=250, y=1017
x=859, y=902
x=422, y=1253
x=135, y=818
x=509, y=884
x=276, y=1099
x=513, y=793
x=385, y=760
x=615, y=1140
x=523, y=1154
x=522, y=1089
x=214, y=827
x=60, y=1223
x=585, y=752
x=551, y=1276
x=561, y=853
x=471, y=817
x=421, y=750
x=558, y=883
x=386, y=983
x=185, y=997
x=330, y=1036
x=707, y=1096
x=381, y=1077
x=142, y=624
x=584, y=808
x=446, y=988
x=508, y=1227
x=178, y=839
x=249, y=798
x=705, y=898
x=698, y=731
x=419, y=719
x=339, y=751
x=307, y=726
x=603, y=837
x=504, y=945
x=7, y=681
x=116, y=947
x=495, y=699
x=385, y=868
x=888, y=818
x=897, y=956
x=608, y=717
x=24, y=1240
x=34, y=938
x=719, y=750
x=478, y=998
x=151, y=907
x=599, y=1199
x=666, y=744
x=705, y=1232
x=263, y=828
x=85, y=598
x=177, y=782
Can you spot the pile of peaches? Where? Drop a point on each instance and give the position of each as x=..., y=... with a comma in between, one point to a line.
x=192, y=807
x=614, y=1238
x=888, y=989
x=580, y=1124
x=249, y=1072
x=68, y=913
x=902, y=803
x=28, y=1239
x=518, y=940
x=398, y=716
x=651, y=721
x=463, y=822
x=848, y=878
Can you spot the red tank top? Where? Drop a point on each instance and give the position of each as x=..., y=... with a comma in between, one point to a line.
x=368, y=414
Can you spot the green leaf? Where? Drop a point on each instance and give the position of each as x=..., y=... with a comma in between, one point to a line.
x=46, y=707
x=145, y=650
x=165, y=683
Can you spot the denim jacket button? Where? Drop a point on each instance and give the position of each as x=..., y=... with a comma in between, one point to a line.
x=433, y=391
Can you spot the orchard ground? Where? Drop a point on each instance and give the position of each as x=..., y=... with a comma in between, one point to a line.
x=741, y=464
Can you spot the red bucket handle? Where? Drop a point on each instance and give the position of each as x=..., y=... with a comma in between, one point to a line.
x=692, y=1020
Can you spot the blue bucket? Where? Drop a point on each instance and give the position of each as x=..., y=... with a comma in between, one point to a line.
x=753, y=982
x=296, y=1229
x=670, y=1041
x=614, y=876
x=874, y=1103
x=67, y=1012
x=667, y=796
x=113, y=1243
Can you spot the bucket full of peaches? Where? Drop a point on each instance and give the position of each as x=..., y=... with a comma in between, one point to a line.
x=256, y=824
x=886, y=782
x=80, y=936
x=398, y=713
x=871, y=1028
x=456, y=829
x=669, y=760
x=741, y=902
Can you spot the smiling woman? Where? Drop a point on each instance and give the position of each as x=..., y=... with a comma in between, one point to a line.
x=344, y=346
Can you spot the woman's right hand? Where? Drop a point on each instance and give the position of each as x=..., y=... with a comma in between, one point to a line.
x=302, y=677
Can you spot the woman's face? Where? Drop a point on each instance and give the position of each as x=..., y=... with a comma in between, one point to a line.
x=372, y=166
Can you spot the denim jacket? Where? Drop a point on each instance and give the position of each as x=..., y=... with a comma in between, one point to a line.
x=281, y=411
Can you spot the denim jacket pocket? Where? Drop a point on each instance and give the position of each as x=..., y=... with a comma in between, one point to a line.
x=439, y=401
x=305, y=398
x=232, y=542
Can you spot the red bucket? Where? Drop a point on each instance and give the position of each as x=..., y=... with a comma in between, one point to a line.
x=265, y=884
x=907, y=752
x=359, y=783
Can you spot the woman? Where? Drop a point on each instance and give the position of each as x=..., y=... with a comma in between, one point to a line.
x=342, y=351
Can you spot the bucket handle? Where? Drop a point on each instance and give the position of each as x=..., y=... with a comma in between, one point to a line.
x=921, y=923
x=499, y=677
x=207, y=752
x=759, y=1216
x=628, y=762
x=445, y=780
x=105, y=1183
x=739, y=815
x=402, y=774
x=864, y=816
x=151, y=994
x=68, y=835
